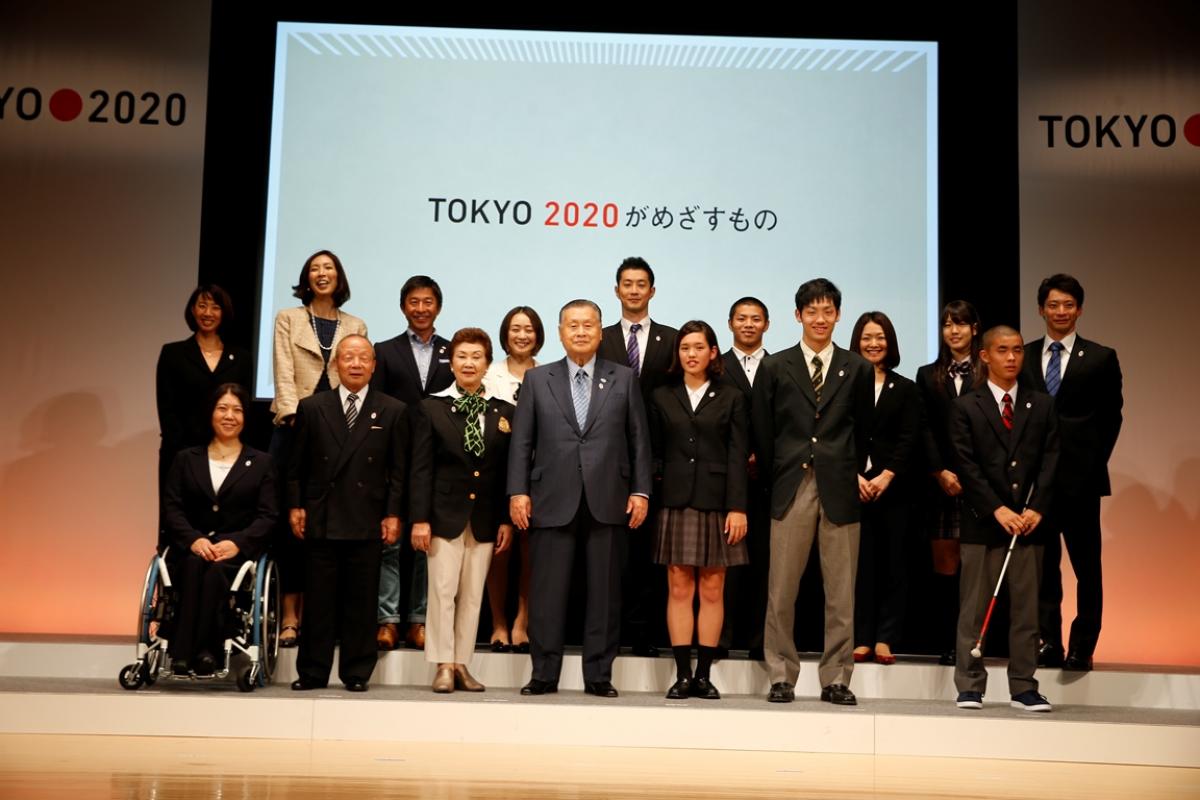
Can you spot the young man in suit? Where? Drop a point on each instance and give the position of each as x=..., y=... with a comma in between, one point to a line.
x=1006, y=439
x=346, y=491
x=1084, y=378
x=578, y=476
x=410, y=367
x=812, y=408
x=645, y=347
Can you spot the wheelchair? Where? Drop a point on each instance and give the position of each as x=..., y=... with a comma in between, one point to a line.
x=250, y=627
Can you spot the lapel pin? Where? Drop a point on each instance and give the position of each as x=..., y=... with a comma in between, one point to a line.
x=231, y=356
x=891, y=385
x=658, y=338
x=1080, y=353
x=503, y=425
x=841, y=373
x=247, y=462
x=373, y=415
x=712, y=394
x=1029, y=405
x=441, y=350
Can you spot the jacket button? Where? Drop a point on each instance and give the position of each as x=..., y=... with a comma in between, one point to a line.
x=216, y=507
x=690, y=461
x=1016, y=486
x=370, y=459
x=1013, y=464
x=476, y=473
x=691, y=440
x=814, y=438
x=806, y=465
x=360, y=484
x=471, y=496
x=326, y=458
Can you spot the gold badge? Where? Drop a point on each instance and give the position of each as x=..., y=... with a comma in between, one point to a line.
x=504, y=426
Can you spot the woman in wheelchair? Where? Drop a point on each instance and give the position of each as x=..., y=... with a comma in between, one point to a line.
x=219, y=506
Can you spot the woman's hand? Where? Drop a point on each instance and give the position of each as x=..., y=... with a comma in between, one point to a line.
x=735, y=526
x=422, y=536
x=503, y=537
x=866, y=492
x=205, y=549
x=881, y=482
x=225, y=550
x=948, y=481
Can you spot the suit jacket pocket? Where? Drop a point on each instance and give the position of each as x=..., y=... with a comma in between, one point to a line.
x=535, y=474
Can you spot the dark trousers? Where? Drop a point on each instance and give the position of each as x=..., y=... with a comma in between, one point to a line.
x=342, y=591
x=287, y=550
x=746, y=587
x=882, y=586
x=643, y=587
x=202, y=588
x=1078, y=519
x=552, y=555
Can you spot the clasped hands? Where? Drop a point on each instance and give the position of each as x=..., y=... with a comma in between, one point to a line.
x=1015, y=524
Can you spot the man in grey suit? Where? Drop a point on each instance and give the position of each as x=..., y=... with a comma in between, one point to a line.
x=578, y=474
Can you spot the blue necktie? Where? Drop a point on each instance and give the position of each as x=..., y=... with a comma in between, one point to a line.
x=1054, y=369
x=635, y=356
x=581, y=393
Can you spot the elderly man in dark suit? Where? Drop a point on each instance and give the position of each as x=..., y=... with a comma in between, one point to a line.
x=812, y=411
x=578, y=475
x=1084, y=378
x=346, y=491
x=1006, y=439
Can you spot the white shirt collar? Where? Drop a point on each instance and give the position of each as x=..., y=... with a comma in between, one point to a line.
x=696, y=396
x=757, y=355
x=452, y=391
x=590, y=366
x=344, y=393
x=626, y=324
x=1068, y=342
x=999, y=393
x=826, y=354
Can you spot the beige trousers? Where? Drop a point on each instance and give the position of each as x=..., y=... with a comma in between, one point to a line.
x=458, y=569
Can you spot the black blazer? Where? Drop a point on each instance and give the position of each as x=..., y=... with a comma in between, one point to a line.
x=1088, y=403
x=183, y=384
x=348, y=481
x=396, y=370
x=449, y=486
x=792, y=432
x=936, y=401
x=655, y=361
x=736, y=376
x=242, y=511
x=701, y=455
x=894, y=431
x=998, y=467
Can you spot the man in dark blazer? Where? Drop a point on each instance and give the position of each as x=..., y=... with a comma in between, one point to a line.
x=346, y=492
x=643, y=345
x=1085, y=380
x=1005, y=437
x=578, y=475
x=746, y=588
x=410, y=367
x=812, y=410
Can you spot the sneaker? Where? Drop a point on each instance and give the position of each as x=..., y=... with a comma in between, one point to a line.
x=969, y=700
x=1031, y=701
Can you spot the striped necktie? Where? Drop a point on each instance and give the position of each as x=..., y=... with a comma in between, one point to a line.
x=1054, y=369
x=351, y=410
x=635, y=355
x=581, y=395
x=818, y=377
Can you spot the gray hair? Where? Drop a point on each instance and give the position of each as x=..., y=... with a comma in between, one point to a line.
x=580, y=304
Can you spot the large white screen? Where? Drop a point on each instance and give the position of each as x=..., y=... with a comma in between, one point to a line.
x=826, y=148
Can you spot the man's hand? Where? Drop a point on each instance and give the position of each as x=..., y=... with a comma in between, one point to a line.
x=1012, y=522
x=296, y=518
x=422, y=536
x=520, y=508
x=636, y=508
x=949, y=482
x=1032, y=520
x=503, y=538
x=389, y=530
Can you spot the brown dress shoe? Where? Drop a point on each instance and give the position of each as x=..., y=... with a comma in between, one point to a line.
x=443, y=682
x=416, y=636
x=387, y=636
x=463, y=680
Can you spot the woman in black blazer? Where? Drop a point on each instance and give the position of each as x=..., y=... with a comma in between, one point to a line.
x=885, y=486
x=189, y=371
x=219, y=507
x=699, y=435
x=457, y=504
x=956, y=372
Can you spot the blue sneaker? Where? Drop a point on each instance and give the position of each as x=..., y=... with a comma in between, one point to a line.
x=1031, y=701
x=970, y=700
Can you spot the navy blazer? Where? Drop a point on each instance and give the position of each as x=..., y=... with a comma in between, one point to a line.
x=242, y=511
x=556, y=461
x=895, y=430
x=701, y=455
x=449, y=486
x=396, y=370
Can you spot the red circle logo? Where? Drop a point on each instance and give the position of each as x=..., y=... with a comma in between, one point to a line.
x=1191, y=130
x=65, y=105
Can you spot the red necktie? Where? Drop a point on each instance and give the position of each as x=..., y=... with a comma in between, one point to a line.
x=1007, y=413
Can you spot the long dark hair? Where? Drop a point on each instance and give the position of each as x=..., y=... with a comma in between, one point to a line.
x=715, y=367
x=962, y=313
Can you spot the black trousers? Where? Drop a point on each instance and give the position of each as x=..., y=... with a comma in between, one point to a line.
x=746, y=587
x=287, y=550
x=203, y=589
x=644, y=586
x=881, y=589
x=340, y=600
x=552, y=555
x=1078, y=519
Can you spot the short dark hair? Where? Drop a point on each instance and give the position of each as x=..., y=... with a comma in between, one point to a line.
x=715, y=367
x=818, y=289
x=635, y=262
x=215, y=293
x=421, y=282
x=303, y=289
x=235, y=389
x=472, y=336
x=750, y=301
x=892, y=359
x=1063, y=283
x=999, y=330
x=539, y=331
x=580, y=303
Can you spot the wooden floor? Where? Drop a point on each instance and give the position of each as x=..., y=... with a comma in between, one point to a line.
x=44, y=767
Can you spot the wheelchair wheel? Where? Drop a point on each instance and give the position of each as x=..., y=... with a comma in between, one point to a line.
x=131, y=677
x=266, y=621
x=248, y=678
x=148, y=603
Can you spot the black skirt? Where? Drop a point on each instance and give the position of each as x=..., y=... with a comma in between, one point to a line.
x=689, y=537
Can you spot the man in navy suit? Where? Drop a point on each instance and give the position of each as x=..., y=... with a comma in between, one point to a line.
x=1085, y=380
x=578, y=476
x=410, y=367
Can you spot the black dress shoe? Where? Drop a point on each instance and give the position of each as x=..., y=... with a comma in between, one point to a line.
x=839, y=694
x=681, y=690
x=356, y=685
x=600, y=688
x=1077, y=662
x=305, y=685
x=501, y=647
x=703, y=688
x=1050, y=655
x=948, y=658
x=537, y=686
x=205, y=663
x=781, y=693
x=521, y=647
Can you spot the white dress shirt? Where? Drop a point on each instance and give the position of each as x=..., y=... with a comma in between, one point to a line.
x=344, y=394
x=826, y=357
x=999, y=393
x=696, y=396
x=750, y=361
x=1068, y=343
x=498, y=382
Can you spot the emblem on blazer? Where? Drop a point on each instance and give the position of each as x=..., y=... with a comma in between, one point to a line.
x=712, y=394
x=441, y=349
x=247, y=462
x=503, y=425
x=658, y=338
x=891, y=385
x=231, y=356
x=1029, y=405
x=841, y=373
x=1080, y=354
x=374, y=415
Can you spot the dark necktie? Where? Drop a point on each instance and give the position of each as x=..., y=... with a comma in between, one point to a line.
x=1006, y=414
x=635, y=356
x=351, y=410
x=818, y=378
x=1054, y=369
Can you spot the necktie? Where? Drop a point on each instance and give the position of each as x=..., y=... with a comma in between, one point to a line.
x=351, y=410
x=1054, y=369
x=818, y=378
x=1007, y=413
x=472, y=405
x=581, y=394
x=635, y=357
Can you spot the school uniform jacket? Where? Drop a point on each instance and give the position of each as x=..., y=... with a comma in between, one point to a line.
x=242, y=511
x=701, y=455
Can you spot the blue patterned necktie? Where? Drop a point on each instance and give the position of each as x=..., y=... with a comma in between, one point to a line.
x=1054, y=369
x=581, y=393
x=635, y=355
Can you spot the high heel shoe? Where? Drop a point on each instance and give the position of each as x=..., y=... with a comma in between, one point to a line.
x=443, y=683
x=884, y=658
x=865, y=655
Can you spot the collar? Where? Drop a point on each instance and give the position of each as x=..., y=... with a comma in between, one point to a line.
x=1068, y=342
x=698, y=392
x=999, y=393
x=452, y=392
x=826, y=354
x=344, y=393
x=757, y=355
x=415, y=339
x=626, y=324
x=573, y=368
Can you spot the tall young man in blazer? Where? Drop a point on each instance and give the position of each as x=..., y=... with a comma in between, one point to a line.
x=643, y=345
x=578, y=476
x=1005, y=436
x=1085, y=380
x=410, y=367
x=812, y=408
x=346, y=492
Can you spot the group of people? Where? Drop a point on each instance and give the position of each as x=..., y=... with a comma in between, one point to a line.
x=431, y=459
